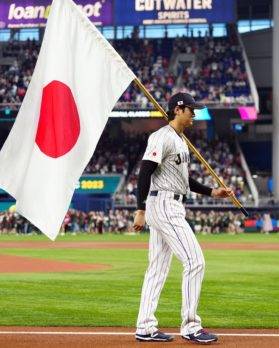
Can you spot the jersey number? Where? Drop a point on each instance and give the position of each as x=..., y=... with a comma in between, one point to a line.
x=178, y=160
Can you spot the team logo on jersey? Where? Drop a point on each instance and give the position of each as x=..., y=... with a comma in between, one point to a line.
x=182, y=158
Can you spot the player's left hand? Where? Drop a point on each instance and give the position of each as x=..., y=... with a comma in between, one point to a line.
x=222, y=192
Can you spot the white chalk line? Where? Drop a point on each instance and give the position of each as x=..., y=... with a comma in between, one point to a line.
x=104, y=333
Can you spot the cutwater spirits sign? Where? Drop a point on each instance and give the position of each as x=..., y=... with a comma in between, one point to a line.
x=146, y=12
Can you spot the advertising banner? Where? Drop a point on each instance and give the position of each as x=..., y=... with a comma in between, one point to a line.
x=94, y=184
x=98, y=184
x=145, y=12
x=30, y=13
x=247, y=113
x=200, y=115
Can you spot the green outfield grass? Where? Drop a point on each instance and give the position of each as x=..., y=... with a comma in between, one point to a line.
x=240, y=289
x=142, y=237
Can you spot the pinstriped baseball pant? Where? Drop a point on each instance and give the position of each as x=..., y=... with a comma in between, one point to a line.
x=170, y=234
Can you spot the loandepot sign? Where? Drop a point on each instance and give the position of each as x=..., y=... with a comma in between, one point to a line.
x=28, y=13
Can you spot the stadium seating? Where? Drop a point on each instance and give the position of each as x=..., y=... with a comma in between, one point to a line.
x=15, y=77
x=113, y=156
x=211, y=69
x=216, y=74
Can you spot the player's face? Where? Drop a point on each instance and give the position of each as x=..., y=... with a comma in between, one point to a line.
x=186, y=116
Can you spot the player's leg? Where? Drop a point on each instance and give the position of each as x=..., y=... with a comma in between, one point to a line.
x=159, y=262
x=193, y=273
x=182, y=241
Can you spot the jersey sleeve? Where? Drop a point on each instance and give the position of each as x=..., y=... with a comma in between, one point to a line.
x=156, y=148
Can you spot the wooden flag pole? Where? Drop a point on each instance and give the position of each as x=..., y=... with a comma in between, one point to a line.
x=191, y=146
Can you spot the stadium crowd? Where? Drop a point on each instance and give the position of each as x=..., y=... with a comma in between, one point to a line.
x=15, y=77
x=225, y=161
x=119, y=221
x=216, y=75
x=116, y=152
x=150, y=61
x=115, y=221
x=215, y=222
x=221, y=75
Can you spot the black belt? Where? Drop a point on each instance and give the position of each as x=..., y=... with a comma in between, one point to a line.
x=176, y=196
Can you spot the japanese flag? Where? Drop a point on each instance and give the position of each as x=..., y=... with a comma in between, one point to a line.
x=77, y=80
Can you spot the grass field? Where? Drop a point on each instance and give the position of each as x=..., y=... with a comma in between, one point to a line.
x=240, y=290
x=108, y=237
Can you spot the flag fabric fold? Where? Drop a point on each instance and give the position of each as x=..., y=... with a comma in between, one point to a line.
x=76, y=82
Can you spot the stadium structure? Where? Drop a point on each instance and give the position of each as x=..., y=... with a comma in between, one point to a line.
x=218, y=51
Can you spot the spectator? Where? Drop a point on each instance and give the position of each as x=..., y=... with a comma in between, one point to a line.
x=121, y=220
x=217, y=74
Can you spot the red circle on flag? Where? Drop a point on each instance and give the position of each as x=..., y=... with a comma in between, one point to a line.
x=154, y=154
x=59, y=125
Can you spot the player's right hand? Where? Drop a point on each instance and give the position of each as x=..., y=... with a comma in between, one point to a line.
x=139, y=220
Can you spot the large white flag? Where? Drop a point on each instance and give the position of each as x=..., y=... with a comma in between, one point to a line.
x=77, y=80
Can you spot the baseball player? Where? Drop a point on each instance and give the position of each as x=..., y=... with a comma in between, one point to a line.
x=163, y=184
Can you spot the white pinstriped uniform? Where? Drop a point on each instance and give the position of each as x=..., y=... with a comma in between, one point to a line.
x=168, y=149
x=170, y=233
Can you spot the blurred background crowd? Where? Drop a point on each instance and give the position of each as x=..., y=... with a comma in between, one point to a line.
x=211, y=69
x=121, y=221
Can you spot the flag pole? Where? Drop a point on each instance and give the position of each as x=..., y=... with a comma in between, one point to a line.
x=235, y=201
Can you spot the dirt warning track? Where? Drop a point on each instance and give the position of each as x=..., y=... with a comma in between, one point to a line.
x=36, y=337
